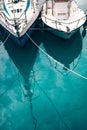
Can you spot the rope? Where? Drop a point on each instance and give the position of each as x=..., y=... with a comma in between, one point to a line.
x=52, y=103
x=5, y=40
x=56, y=110
x=34, y=118
x=75, y=73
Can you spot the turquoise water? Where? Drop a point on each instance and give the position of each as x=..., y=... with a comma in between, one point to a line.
x=59, y=99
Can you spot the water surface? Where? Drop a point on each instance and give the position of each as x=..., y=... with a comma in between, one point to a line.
x=59, y=100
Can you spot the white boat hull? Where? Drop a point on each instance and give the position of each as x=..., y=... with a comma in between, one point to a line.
x=63, y=18
x=19, y=40
x=19, y=17
x=60, y=33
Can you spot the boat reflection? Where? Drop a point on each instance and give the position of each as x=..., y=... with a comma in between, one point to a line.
x=64, y=51
x=24, y=59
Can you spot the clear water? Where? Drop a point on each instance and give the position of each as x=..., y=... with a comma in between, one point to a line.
x=59, y=99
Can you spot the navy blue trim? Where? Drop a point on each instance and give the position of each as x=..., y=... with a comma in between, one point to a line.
x=22, y=40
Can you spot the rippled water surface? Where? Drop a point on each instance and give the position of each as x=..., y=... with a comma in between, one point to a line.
x=58, y=100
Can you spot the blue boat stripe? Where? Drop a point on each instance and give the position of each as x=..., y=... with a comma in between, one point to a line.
x=6, y=10
x=27, y=6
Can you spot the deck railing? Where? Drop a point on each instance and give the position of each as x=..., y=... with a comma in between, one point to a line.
x=21, y=18
x=64, y=24
x=11, y=21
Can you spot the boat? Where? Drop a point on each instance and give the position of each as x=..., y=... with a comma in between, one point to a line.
x=19, y=17
x=62, y=17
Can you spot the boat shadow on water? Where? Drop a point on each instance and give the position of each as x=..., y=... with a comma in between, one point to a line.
x=64, y=51
x=23, y=58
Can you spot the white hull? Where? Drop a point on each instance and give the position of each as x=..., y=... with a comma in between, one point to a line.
x=61, y=34
x=63, y=18
x=18, y=17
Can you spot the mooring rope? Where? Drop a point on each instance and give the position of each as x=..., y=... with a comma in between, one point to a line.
x=5, y=40
x=51, y=102
x=34, y=118
x=56, y=110
x=77, y=74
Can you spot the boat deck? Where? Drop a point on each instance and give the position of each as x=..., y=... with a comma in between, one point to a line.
x=20, y=15
x=61, y=17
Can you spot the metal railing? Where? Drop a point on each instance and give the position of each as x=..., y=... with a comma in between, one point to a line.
x=63, y=23
x=18, y=20
x=11, y=21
